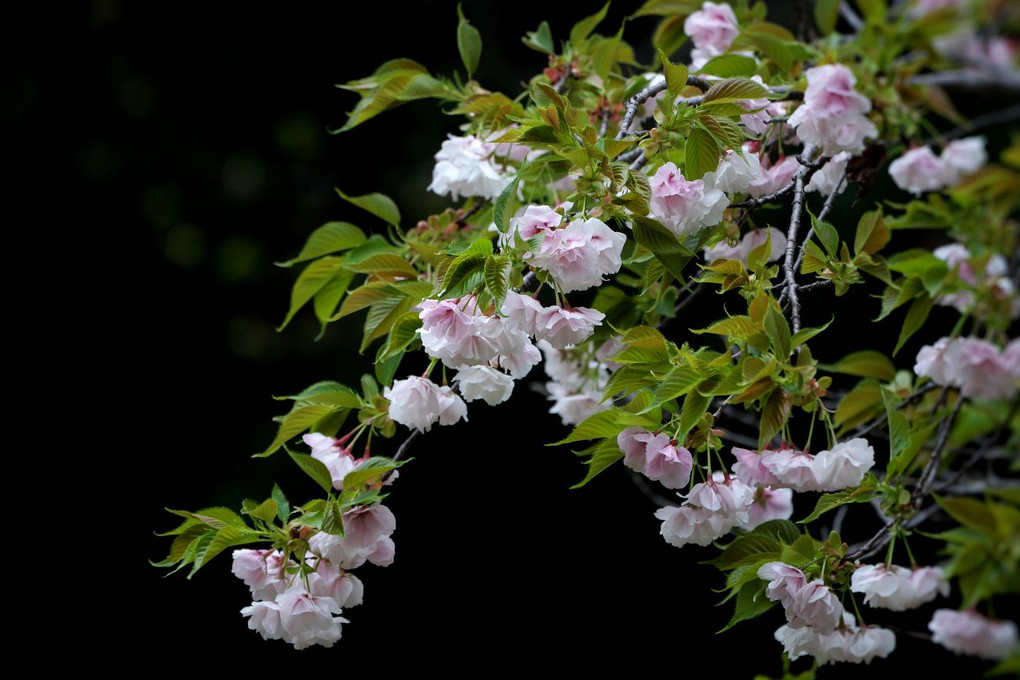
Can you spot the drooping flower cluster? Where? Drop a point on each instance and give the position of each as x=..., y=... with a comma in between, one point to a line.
x=969, y=632
x=711, y=29
x=685, y=207
x=560, y=327
x=842, y=466
x=817, y=624
x=850, y=643
x=831, y=176
x=897, y=588
x=418, y=403
x=575, y=384
x=920, y=170
x=579, y=255
x=465, y=167
x=979, y=368
x=711, y=509
x=832, y=116
x=656, y=457
x=992, y=278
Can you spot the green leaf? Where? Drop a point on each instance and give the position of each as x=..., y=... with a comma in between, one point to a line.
x=774, y=416
x=695, y=406
x=747, y=549
x=504, y=208
x=381, y=318
x=679, y=381
x=386, y=366
x=469, y=43
x=331, y=237
x=596, y=426
x=739, y=327
x=403, y=332
x=281, y=503
x=540, y=40
x=862, y=493
x=312, y=280
x=676, y=75
x=603, y=457
x=333, y=520
x=663, y=244
x=860, y=404
x=872, y=233
x=327, y=392
x=315, y=469
x=385, y=264
x=751, y=603
x=735, y=90
x=583, y=28
x=301, y=418
x=805, y=334
x=665, y=8
x=782, y=530
x=380, y=205
x=220, y=541
x=969, y=512
x=265, y=511
x=325, y=301
x=701, y=154
x=827, y=234
x=866, y=364
x=916, y=316
x=370, y=471
x=826, y=15
x=730, y=66
x=777, y=330
x=497, y=277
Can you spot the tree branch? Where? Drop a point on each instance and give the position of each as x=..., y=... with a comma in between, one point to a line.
x=971, y=79
x=791, y=236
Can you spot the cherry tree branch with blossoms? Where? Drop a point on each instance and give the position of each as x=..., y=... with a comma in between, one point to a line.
x=552, y=207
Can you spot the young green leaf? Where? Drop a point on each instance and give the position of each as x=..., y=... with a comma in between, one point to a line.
x=315, y=469
x=701, y=154
x=331, y=237
x=469, y=43
x=380, y=205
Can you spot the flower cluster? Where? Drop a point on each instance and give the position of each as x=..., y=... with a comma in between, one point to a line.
x=576, y=383
x=832, y=116
x=977, y=367
x=849, y=643
x=465, y=167
x=969, y=632
x=831, y=470
x=897, y=588
x=711, y=509
x=656, y=457
x=920, y=170
x=991, y=277
x=579, y=255
x=711, y=29
x=685, y=207
x=418, y=403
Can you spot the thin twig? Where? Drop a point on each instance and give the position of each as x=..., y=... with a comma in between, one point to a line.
x=826, y=207
x=653, y=88
x=647, y=490
x=971, y=79
x=631, y=155
x=850, y=16
x=927, y=477
x=406, y=444
x=1007, y=115
x=791, y=236
x=762, y=200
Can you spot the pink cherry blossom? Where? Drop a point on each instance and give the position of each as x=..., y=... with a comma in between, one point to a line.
x=969, y=632
x=537, y=219
x=343, y=587
x=785, y=581
x=977, y=367
x=897, y=588
x=737, y=170
x=750, y=468
x=815, y=605
x=993, y=277
x=520, y=361
x=768, y=504
x=565, y=327
x=751, y=240
x=579, y=255
x=931, y=362
x=656, y=457
x=337, y=459
x=366, y=539
x=845, y=465
x=711, y=29
x=485, y=383
x=264, y=618
x=793, y=469
x=832, y=116
x=828, y=178
x=520, y=311
x=457, y=332
x=685, y=207
x=414, y=402
x=710, y=511
x=774, y=177
x=308, y=620
x=452, y=408
x=918, y=170
x=963, y=157
x=261, y=570
x=848, y=643
x=464, y=167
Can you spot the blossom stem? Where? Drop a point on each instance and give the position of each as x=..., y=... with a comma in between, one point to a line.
x=406, y=445
x=927, y=478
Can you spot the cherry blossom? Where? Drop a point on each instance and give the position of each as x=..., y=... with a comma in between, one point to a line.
x=566, y=327
x=918, y=170
x=685, y=207
x=656, y=457
x=969, y=632
x=457, y=332
x=832, y=116
x=711, y=29
x=750, y=241
x=485, y=383
x=848, y=643
x=338, y=460
x=710, y=510
x=579, y=255
x=827, y=178
x=464, y=167
x=897, y=588
x=415, y=403
x=979, y=368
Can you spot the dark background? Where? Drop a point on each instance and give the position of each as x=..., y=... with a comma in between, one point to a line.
x=168, y=154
